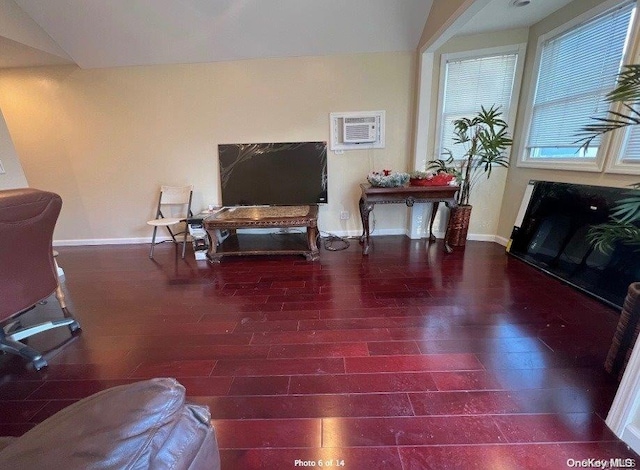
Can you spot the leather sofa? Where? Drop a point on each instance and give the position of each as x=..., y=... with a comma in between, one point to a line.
x=143, y=425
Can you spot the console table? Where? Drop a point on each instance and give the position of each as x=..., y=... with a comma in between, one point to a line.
x=234, y=218
x=409, y=195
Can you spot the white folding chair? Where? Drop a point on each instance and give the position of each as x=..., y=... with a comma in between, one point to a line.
x=174, y=207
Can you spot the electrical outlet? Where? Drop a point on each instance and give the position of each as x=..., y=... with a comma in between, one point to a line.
x=344, y=215
x=2, y=170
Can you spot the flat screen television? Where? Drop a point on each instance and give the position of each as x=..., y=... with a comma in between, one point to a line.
x=553, y=238
x=279, y=174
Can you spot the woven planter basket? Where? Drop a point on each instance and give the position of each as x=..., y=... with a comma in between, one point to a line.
x=458, y=225
x=626, y=333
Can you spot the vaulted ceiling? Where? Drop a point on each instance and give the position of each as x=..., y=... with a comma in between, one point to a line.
x=112, y=33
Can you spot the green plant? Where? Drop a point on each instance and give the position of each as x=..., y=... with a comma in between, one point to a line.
x=485, y=140
x=623, y=226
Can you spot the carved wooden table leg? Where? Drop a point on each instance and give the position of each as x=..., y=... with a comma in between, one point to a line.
x=448, y=248
x=213, y=247
x=365, y=210
x=312, y=237
x=434, y=212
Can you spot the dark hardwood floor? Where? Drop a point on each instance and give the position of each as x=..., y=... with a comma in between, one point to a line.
x=406, y=359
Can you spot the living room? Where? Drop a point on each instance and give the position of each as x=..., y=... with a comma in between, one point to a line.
x=106, y=136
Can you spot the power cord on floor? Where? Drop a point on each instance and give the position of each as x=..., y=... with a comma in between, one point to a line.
x=333, y=242
x=329, y=240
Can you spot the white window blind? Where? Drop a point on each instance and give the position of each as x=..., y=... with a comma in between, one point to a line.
x=631, y=149
x=577, y=69
x=471, y=83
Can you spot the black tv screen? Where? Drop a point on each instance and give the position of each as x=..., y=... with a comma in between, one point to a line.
x=281, y=174
x=553, y=237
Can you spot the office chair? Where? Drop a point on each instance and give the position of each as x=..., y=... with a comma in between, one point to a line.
x=28, y=272
x=174, y=207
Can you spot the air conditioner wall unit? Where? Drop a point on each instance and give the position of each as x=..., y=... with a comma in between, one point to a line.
x=357, y=130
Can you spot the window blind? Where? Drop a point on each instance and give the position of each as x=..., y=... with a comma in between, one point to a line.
x=631, y=150
x=577, y=69
x=471, y=83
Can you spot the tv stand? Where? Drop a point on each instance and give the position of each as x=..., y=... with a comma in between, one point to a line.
x=241, y=244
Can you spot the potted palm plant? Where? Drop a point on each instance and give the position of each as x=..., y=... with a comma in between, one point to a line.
x=624, y=224
x=484, y=141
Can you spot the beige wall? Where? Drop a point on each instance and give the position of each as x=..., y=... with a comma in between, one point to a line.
x=105, y=139
x=519, y=177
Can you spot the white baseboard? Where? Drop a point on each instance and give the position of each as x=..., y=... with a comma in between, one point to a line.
x=501, y=240
x=107, y=241
x=341, y=233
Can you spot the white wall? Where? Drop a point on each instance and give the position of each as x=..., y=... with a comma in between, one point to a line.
x=105, y=139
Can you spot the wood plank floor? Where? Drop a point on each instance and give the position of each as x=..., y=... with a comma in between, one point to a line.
x=406, y=359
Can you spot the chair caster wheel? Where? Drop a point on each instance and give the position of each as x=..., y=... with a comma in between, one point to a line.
x=74, y=327
x=39, y=363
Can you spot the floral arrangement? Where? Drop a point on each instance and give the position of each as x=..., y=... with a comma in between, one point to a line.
x=387, y=179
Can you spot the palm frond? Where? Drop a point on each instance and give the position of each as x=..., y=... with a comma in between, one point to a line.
x=605, y=236
x=604, y=125
x=484, y=139
x=623, y=222
x=628, y=86
x=626, y=92
x=627, y=210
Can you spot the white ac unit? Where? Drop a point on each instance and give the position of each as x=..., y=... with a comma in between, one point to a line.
x=357, y=130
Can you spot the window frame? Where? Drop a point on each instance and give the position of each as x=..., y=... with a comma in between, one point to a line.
x=519, y=49
x=603, y=155
x=618, y=139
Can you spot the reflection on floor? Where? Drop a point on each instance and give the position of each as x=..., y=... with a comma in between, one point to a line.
x=406, y=359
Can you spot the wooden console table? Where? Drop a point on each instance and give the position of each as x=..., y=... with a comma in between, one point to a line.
x=409, y=195
x=234, y=218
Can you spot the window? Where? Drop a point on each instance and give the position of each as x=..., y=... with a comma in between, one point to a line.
x=577, y=67
x=630, y=152
x=625, y=151
x=479, y=78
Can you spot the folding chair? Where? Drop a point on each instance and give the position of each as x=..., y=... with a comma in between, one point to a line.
x=174, y=207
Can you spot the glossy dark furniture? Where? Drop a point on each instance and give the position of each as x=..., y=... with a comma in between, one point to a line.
x=553, y=238
x=287, y=217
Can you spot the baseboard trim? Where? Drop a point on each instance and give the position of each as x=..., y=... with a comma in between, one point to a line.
x=107, y=241
x=341, y=233
x=501, y=240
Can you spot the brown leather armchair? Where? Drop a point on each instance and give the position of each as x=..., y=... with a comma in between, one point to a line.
x=28, y=272
x=144, y=425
